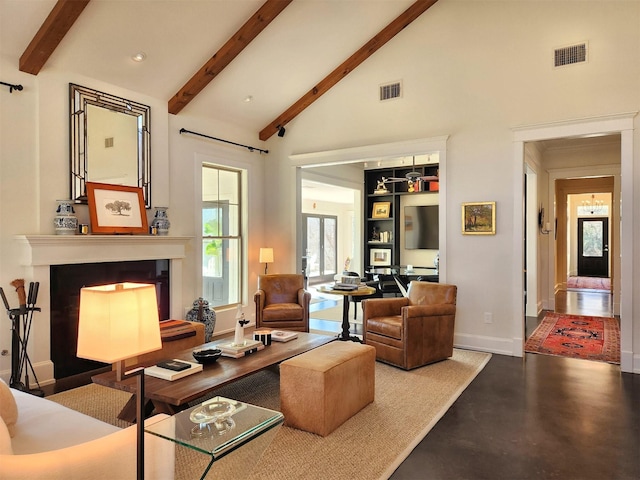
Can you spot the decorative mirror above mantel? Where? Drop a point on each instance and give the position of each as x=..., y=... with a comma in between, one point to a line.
x=110, y=142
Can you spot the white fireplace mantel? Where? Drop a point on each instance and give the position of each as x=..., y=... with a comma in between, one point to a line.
x=39, y=252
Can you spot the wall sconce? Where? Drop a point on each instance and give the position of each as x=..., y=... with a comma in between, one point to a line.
x=545, y=230
x=266, y=257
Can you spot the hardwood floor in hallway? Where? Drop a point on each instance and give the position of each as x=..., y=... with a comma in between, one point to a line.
x=585, y=302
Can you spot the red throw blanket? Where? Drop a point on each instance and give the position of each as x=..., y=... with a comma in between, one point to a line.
x=171, y=330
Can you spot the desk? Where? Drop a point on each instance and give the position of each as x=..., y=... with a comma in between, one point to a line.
x=401, y=270
x=250, y=425
x=403, y=276
x=361, y=291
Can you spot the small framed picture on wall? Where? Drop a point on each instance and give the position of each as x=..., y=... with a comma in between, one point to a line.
x=479, y=218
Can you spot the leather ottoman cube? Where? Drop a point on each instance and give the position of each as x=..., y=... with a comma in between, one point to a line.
x=324, y=387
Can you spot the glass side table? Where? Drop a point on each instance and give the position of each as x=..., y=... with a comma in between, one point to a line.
x=217, y=428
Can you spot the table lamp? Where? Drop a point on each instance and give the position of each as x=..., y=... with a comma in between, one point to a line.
x=118, y=322
x=266, y=257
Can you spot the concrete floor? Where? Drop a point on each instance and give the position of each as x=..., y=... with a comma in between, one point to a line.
x=538, y=417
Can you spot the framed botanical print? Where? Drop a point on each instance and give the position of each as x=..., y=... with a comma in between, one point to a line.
x=116, y=208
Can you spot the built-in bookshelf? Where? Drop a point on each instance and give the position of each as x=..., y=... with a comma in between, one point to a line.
x=382, y=209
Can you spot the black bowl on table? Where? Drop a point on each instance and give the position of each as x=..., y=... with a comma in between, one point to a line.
x=207, y=355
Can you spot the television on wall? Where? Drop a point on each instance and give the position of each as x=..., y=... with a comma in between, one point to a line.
x=421, y=227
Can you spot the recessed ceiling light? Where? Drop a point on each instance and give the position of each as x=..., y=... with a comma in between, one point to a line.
x=139, y=57
x=248, y=99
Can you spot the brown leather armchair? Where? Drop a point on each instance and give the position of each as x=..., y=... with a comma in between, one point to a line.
x=412, y=331
x=282, y=302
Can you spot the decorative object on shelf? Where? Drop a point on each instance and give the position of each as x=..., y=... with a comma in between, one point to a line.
x=381, y=210
x=381, y=188
x=83, y=229
x=203, y=314
x=380, y=257
x=266, y=257
x=116, y=208
x=479, y=218
x=161, y=221
x=375, y=235
x=65, y=221
x=238, y=338
x=436, y=262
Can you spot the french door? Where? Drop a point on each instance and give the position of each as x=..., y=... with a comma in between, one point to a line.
x=593, y=247
x=320, y=240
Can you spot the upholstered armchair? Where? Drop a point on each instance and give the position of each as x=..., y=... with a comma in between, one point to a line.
x=282, y=302
x=415, y=330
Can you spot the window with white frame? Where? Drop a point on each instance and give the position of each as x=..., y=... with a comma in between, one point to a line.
x=221, y=235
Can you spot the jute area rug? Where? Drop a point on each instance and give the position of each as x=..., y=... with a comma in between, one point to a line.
x=369, y=445
x=577, y=336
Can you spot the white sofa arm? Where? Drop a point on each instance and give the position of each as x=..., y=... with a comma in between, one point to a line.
x=112, y=457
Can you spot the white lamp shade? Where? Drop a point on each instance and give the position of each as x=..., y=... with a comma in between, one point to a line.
x=266, y=255
x=118, y=322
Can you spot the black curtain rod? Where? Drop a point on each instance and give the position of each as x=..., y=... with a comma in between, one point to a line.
x=11, y=86
x=251, y=149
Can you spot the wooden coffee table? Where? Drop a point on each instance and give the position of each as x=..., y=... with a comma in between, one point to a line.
x=171, y=397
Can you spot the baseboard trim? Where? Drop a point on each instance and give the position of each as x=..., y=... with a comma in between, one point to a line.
x=501, y=346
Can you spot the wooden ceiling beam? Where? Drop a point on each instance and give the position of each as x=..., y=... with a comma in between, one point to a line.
x=386, y=34
x=230, y=50
x=55, y=27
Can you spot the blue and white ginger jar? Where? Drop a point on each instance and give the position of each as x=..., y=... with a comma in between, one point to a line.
x=65, y=221
x=203, y=314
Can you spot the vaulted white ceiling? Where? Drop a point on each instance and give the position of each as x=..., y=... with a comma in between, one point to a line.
x=303, y=44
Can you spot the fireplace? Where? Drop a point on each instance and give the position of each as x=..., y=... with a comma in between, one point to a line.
x=152, y=259
x=66, y=282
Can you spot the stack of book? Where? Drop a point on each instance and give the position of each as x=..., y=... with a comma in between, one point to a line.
x=173, y=369
x=238, y=351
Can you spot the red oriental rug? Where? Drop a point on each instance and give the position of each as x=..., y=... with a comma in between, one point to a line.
x=577, y=336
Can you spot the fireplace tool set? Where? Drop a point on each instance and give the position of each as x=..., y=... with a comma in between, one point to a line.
x=21, y=319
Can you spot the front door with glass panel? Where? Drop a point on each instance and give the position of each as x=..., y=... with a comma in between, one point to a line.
x=321, y=237
x=593, y=247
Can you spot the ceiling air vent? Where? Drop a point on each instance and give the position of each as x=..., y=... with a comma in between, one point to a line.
x=570, y=55
x=390, y=91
